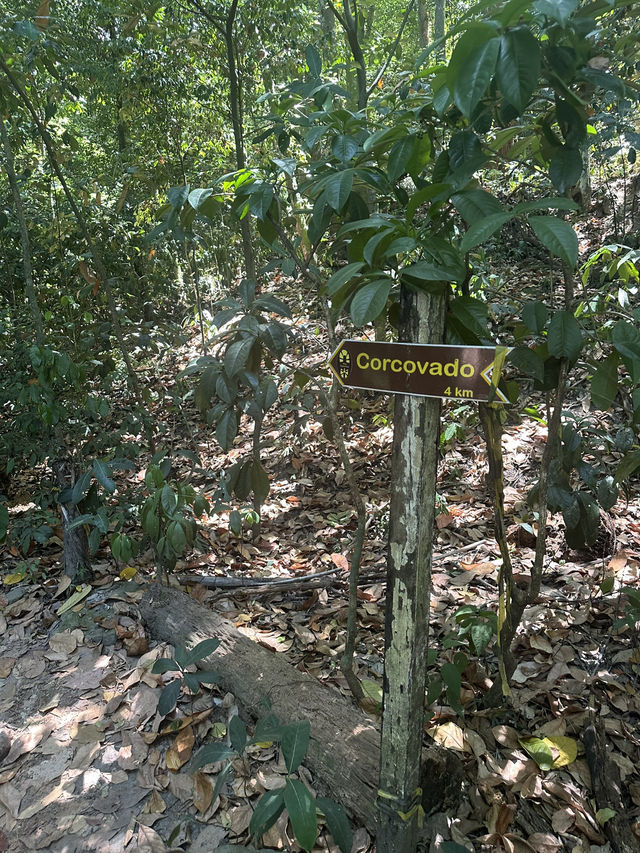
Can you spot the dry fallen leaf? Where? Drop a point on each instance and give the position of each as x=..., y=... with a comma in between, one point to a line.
x=202, y=792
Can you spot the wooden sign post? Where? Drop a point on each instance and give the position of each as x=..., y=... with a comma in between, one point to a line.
x=421, y=373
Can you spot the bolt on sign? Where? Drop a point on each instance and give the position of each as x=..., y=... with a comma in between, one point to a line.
x=425, y=370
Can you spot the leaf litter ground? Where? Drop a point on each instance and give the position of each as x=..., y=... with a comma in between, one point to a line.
x=88, y=764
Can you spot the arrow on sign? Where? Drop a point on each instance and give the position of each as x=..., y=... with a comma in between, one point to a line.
x=425, y=370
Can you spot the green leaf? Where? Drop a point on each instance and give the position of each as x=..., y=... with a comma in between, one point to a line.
x=344, y=147
x=604, y=384
x=268, y=302
x=528, y=361
x=472, y=78
x=630, y=463
x=102, y=472
x=259, y=482
x=539, y=751
x=199, y=196
x=454, y=847
x=534, y=315
x=626, y=340
x=169, y=697
x=518, y=67
x=294, y=740
x=552, y=203
x=274, y=335
x=177, y=196
x=4, y=522
x=202, y=650
x=474, y=205
x=270, y=807
x=165, y=665
x=370, y=301
x=237, y=734
x=607, y=493
x=481, y=635
x=423, y=196
x=314, y=60
x=450, y=674
x=237, y=356
x=337, y=189
x=557, y=10
x=482, y=230
x=399, y=157
x=342, y=276
x=302, y=813
x=176, y=537
x=227, y=429
x=191, y=681
x=425, y=271
x=81, y=487
x=212, y=753
x=565, y=337
x=558, y=236
x=565, y=168
x=338, y=823
x=261, y=200
x=168, y=500
x=206, y=677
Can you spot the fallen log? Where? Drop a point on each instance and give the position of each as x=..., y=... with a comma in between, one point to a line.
x=344, y=750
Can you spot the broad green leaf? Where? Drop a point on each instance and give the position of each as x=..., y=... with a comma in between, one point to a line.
x=423, y=196
x=534, y=315
x=261, y=200
x=607, y=493
x=342, y=276
x=450, y=674
x=372, y=244
x=344, y=147
x=205, y=677
x=266, y=813
x=102, y=473
x=199, y=196
x=630, y=463
x=178, y=195
x=274, y=335
x=539, y=751
x=604, y=384
x=267, y=729
x=481, y=635
x=202, y=650
x=425, y=271
x=259, y=481
x=75, y=599
x=237, y=356
x=81, y=487
x=474, y=205
x=565, y=337
x=604, y=815
x=314, y=60
x=558, y=236
x=268, y=302
x=211, y=753
x=191, y=681
x=552, y=203
x=482, y=230
x=169, y=697
x=565, y=168
x=528, y=361
x=237, y=734
x=168, y=500
x=518, y=67
x=369, y=301
x=338, y=823
x=294, y=740
x=165, y=665
x=399, y=157
x=557, y=10
x=227, y=429
x=474, y=75
x=453, y=846
x=626, y=340
x=302, y=813
x=176, y=537
x=567, y=748
x=337, y=189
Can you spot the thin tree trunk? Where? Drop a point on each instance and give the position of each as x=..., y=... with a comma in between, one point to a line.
x=414, y=458
x=423, y=24
x=439, y=17
x=32, y=298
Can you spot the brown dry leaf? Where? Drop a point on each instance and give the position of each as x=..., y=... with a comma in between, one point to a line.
x=66, y=642
x=202, y=792
x=499, y=818
x=240, y=818
x=618, y=562
x=27, y=741
x=506, y=736
x=340, y=561
x=6, y=665
x=180, y=752
x=515, y=844
x=155, y=804
x=482, y=568
x=149, y=841
x=137, y=644
x=11, y=797
x=563, y=819
x=443, y=520
x=544, y=842
x=451, y=736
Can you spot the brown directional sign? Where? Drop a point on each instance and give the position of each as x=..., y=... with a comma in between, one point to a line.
x=426, y=370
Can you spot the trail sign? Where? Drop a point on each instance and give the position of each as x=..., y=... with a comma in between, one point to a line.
x=425, y=370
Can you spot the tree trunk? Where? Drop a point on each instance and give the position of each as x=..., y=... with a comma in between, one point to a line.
x=414, y=458
x=344, y=748
x=76, y=558
x=423, y=24
x=439, y=16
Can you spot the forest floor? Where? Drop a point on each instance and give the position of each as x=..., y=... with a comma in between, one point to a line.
x=87, y=764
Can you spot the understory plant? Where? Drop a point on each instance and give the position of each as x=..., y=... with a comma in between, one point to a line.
x=302, y=807
x=180, y=663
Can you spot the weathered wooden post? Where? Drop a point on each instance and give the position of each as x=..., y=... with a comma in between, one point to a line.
x=414, y=462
